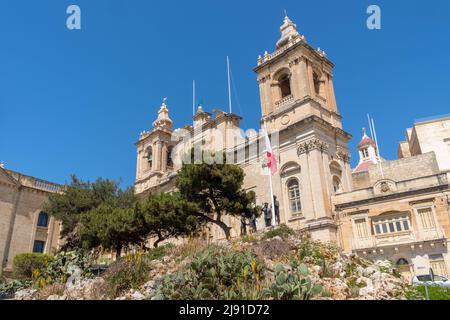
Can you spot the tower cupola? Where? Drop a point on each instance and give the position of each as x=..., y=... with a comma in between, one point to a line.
x=288, y=32
x=163, y=121
x=368, y=153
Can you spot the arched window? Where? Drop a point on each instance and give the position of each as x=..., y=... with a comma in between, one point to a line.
x=402, y=262
x=294, y=196
x=337, y=185
x=43, y=220
x=285, y=86
x=317, y=83
x=149, y=157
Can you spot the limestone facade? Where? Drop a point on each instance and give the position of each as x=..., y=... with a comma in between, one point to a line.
x=396, y=210
x=299, y=109
x=400, y=210
x=24, y=227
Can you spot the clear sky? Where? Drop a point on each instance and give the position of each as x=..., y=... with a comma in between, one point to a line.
x=76, y=101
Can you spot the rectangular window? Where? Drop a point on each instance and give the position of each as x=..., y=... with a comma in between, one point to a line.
x=437, y=263
x=39, y=246
x=392, y=224
x=406, y=225
x=365, y=153
x=426, y=218
x=361, y=229
x=377, y=229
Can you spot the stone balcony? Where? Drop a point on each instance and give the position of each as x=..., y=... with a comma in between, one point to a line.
x=402, y=238
x=285, y=101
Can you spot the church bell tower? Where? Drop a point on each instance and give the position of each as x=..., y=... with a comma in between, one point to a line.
x=295, y=75
x=298, y=101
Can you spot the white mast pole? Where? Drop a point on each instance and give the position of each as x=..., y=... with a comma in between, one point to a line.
x=378, y=149
x=193, y=97
x=229, y=85
x=370, y=126
x=270, y=183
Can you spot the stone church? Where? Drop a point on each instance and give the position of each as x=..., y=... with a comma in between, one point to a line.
x=397, y=210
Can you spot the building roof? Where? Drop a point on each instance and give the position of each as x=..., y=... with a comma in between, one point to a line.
x=366, y=140
x=364, y=166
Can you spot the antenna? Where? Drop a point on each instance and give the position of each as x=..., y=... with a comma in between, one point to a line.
x=229, y=85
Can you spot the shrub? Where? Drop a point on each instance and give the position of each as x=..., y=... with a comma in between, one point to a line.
x=216, y=273
x=159, y=252
x=58, y=269
x=282, y=231
x=316, y=252
x=434, y=292
x=26, y=264
x=130, y=272
x=294, y=284
x=274, y=248
x=7, y=289
x=249, y=238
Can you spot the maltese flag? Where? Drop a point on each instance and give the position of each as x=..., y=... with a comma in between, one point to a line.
x=271, y=159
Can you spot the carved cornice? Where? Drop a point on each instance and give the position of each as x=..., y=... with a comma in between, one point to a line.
x=343, y=154
x=310, y=145
x=264, y=79
x=295, y=61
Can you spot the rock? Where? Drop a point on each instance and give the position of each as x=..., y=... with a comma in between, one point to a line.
x=149, y=289
x=137, y=296
x=85, y=289
x=369, y=271
x=276, y=238
x=56, y=297
x=26, y=294
x=75, y=275
x=315, y=270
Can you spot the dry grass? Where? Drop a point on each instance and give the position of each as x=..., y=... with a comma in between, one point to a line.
x=50, y=290
x=188, y=249
x=273, y=249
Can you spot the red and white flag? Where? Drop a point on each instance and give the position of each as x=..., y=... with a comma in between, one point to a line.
x=271, y=158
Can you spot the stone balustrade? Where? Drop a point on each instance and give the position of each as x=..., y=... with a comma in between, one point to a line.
x=285, y=101
x=411, y=237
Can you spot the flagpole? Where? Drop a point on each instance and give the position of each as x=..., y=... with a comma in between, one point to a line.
x=271, y=185
x=229, y=85
x=378, y=148
x=193, y=97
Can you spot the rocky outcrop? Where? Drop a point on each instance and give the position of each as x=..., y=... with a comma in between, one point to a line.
x=342, y=276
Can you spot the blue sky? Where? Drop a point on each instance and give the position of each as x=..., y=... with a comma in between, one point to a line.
x=75, y=101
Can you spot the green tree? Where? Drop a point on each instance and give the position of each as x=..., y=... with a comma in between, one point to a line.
x=80, y=197
x=169, y=215
x=112, y=227
x=216, y=189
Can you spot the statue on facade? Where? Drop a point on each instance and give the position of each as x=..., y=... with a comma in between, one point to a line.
x=267, y=214
x=243, y=224
x=277, y=210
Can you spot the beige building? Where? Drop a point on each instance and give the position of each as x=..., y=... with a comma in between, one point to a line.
x=397, y=210
x=400, y=210
x=24, y=226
